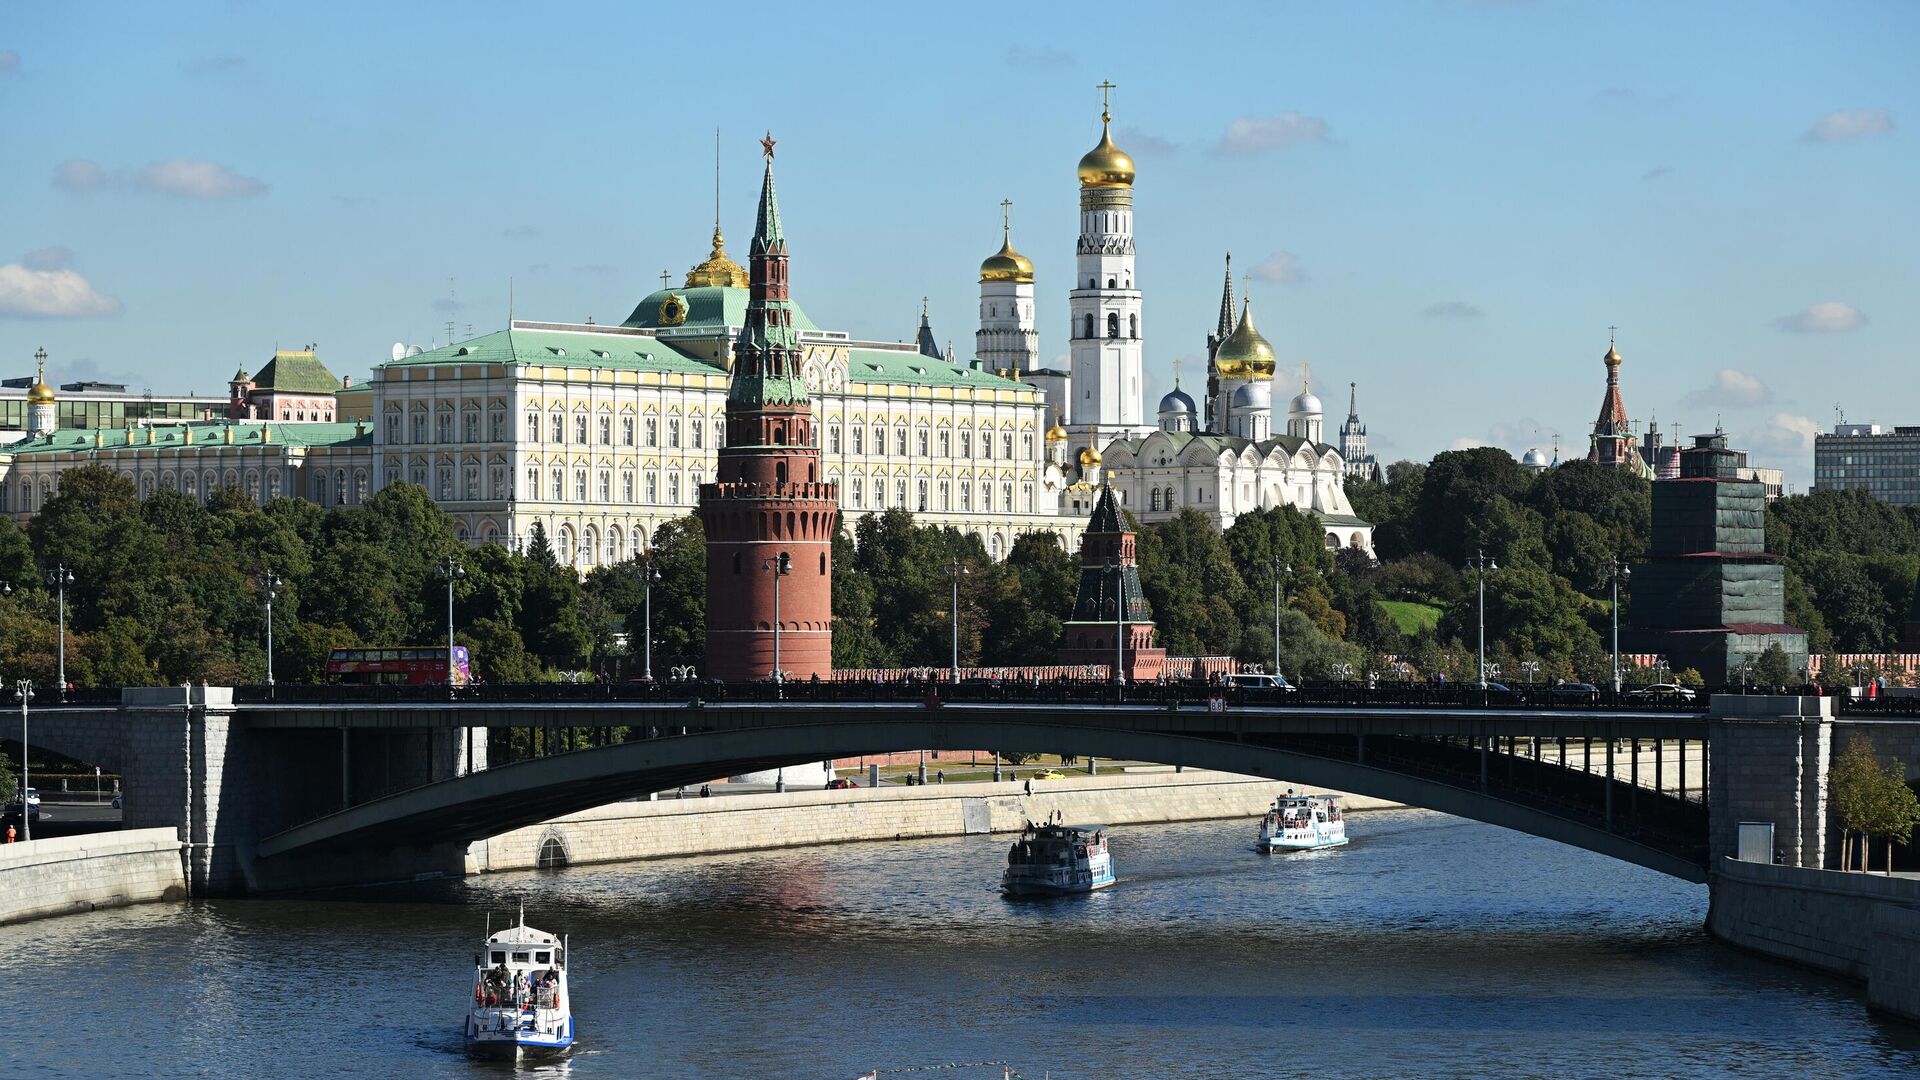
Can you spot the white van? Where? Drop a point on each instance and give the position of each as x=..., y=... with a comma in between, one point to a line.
x=1259, y=682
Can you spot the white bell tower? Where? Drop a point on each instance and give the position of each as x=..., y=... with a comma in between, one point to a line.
x=1108, y=382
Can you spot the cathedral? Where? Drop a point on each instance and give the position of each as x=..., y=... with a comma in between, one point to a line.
x=1221, y=457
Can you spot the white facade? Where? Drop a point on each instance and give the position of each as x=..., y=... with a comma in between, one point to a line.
x=1223, y=477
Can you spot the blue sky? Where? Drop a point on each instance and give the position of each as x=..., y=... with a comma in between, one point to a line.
x=1446, y=202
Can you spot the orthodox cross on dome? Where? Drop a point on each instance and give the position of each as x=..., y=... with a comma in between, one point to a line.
x=1006, y=217
x=664, y=278
x=1610, y=331
x=40, y=357
x=766, y=145
x=1177, y=361
x=1105, y=106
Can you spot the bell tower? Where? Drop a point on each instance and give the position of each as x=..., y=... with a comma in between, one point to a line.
x=1108, y=391
x=768, y=516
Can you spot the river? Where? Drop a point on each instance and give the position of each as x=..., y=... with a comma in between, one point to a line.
x=1431, y=946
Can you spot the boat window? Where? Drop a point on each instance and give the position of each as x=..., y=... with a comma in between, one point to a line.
x=499, y=958
x=519, y=958
x=541, y=958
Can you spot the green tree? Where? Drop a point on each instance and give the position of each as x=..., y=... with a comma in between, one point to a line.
x=497, y=653
x=1028, y=598
x=1455, y=491
x=679, y=553
x=1196, y=592
x=1774, y=668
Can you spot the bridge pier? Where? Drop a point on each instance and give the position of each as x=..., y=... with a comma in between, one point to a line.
x=1768, y=763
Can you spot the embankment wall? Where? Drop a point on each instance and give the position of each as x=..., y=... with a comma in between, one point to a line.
x=80, y=873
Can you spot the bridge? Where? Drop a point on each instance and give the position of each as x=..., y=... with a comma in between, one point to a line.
x=302, y=785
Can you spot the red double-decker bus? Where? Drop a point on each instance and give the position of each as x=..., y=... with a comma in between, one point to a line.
x=413, y=665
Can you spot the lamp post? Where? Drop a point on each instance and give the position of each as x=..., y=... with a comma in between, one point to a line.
x=1530, y=668
x=955, y=571
x=1616, y=572
x=1280, y=567
x=270, y=586
x=24, y=689
x=58, y=579
x=779, y=567
x=454, y=571
x=648, y=576
x=1485, y=566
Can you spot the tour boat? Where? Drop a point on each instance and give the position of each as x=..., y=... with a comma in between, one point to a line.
x=521, y=1005
x=1053, y=859
x=1303, y=823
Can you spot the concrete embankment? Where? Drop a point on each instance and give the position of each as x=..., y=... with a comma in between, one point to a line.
x=80, y=873
x=1865, y=927
x=677, y=827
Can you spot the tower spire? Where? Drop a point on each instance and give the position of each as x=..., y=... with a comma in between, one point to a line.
x=1226, y=302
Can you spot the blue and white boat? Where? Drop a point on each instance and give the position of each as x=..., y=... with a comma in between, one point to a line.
x=1053, y=859
x=1303, y=823
x=521, y=1004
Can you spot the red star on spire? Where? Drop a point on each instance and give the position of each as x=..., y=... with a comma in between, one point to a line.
x=766, y=144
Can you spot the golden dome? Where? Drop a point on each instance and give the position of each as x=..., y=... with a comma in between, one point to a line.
x=1106, y=165
x=1007, y=264
x=1613, y=358
x=1056, y=433
x=1245, y=354
x=1090, y=456
x=718, y=269
x=40, y=394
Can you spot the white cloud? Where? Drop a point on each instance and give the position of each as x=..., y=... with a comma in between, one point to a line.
x=1141, y=144
x=1467, y=442
x=183, y=177
x=1254, y=134
x=1281, y=268
x=1451, y=309
x=41, y=287
x=1730, y=389
x=9, y=61
x=1827, y=317
x=1843, y=125
x=1785, y=435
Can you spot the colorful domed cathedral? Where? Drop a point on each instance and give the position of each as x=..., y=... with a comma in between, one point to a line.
x=1220, y=456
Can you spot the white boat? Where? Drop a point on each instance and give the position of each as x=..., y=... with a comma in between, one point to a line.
x=1053, y=859
x=521, y=1005
x=1303, y=823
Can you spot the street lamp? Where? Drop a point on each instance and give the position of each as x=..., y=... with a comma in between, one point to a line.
x=779, y=567
x=649, y=575
x=24, y=690
x=270, y=586
x=454, y=571
x=1530, y=668
x=1617, y=571
x=59, y=578
x=1485, y=566
x=1280, y=567
x=955, y=571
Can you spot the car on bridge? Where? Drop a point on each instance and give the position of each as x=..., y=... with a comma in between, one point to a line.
x=1049, y=774
x=1256, y=681
x=841, y=783
x=1662, y=692
x=1575, y=691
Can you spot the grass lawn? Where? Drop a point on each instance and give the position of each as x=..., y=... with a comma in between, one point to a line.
x=1410, y=616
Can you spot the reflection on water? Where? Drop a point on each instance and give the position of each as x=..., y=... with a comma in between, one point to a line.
x=1429, y=946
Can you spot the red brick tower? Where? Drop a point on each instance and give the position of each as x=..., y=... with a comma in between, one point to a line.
x=1112, y=623
x=769, y=519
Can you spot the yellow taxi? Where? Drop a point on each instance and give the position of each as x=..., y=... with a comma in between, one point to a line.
x=1049, y=774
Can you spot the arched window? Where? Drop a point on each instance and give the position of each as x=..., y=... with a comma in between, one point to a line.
x=1153, y=501
x=1089, y=330
x=1113, y=324
x=1113, y=283
x=1133, y=326
x=823, y=564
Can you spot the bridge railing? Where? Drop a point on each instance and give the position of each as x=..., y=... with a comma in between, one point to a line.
x=1061, y=692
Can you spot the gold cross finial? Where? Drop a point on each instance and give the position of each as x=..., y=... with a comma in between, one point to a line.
x=766, y=145
x=923, y=307
x=1610, y=331
x=1105, y=106
x=1006, y=217
x=1177, y=361
x=1246, y=290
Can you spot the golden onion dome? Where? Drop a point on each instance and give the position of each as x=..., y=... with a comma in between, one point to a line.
x=40, y=394
x=1245, y=354
x=1056, y=433
x=1090, y=456
x=1106, y=165
x=718, y=269
x=1613, y=358
x=1007, y=265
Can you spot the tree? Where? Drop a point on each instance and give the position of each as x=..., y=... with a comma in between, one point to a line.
x=1773, y=668
x=1029, y=597
x=1454, y=491
x=1198, y=597
x=1851, y=786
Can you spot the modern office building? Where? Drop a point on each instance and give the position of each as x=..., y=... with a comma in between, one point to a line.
x=1883, y=462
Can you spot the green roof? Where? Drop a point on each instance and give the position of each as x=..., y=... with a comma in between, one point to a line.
x=573, y=348
x=913, y=369
x=206, y=435
x=296, y=373
x=709, y=305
